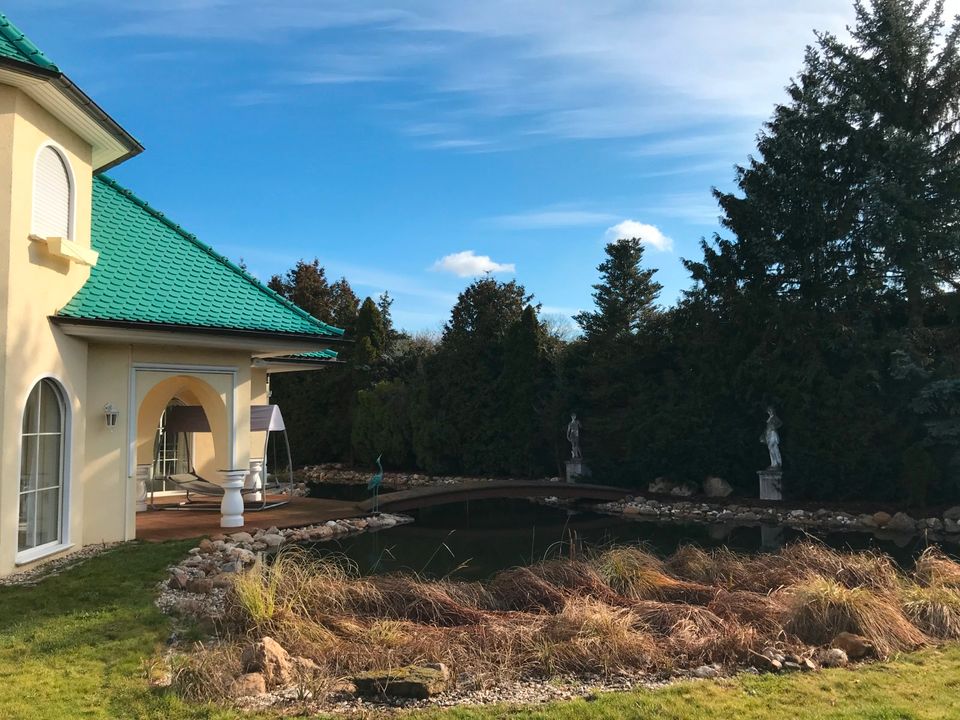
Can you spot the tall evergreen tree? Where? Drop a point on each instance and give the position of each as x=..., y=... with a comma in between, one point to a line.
x=625, y=295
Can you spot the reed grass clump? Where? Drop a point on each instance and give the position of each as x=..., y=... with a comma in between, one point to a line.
x=819, y=608
x=933, y=568
x=935, y=609
x=619, y=609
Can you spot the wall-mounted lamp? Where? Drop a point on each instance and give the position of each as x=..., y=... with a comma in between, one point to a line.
x=110, y=414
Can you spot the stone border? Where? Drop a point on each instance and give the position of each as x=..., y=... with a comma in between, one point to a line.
x=337, y=474
x=197, y=585
x=58, y=565
x=945, y=528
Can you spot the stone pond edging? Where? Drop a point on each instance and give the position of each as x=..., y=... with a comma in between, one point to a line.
x=198, y=583
x=946, y=527
x=686, y=508
x=337, y=474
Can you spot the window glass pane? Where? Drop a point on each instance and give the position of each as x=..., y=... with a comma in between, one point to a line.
x=30, y=419
x=48, y=516
x=25, y=538
x=49, y=408
x=49, y=465
x=28, y=462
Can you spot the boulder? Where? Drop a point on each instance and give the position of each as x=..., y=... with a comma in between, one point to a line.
x=952, y=514
x=267, y=656
x=200, y=586
x=951, y=526
x=272, y=540
x=683, y=490
x=716, y=487
x=661, y=485
x=706, y=671
x=901, y=522
x=412, y=681
x=855, y=646
x=768, y=662
x=880, y=519
x=178, y=579
x=242, y=537
x=832, y=657
x=248, y=685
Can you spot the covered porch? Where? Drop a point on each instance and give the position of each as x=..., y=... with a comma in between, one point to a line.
x=211, y=455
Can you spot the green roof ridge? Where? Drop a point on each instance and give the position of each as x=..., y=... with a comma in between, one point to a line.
x=143, y=204
x=16, y=45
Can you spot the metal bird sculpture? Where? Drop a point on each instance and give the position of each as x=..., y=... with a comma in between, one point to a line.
x=374, y=485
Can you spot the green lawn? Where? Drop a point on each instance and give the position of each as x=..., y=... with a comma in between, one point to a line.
x=77, y=645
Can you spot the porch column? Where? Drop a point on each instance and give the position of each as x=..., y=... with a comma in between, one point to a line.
x=142, y=478
x=231, y=507
x=254, y=480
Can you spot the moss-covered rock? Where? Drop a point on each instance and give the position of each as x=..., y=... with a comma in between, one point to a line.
x=412, y=681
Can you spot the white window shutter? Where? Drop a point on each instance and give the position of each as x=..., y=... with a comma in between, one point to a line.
x=51, y=195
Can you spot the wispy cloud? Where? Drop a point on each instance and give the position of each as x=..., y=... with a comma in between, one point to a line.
x=650, y=234
x=547, y=219
x=598, y=69
x=468, y=264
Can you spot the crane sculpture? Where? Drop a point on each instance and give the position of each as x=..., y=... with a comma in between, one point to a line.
x=374, y=485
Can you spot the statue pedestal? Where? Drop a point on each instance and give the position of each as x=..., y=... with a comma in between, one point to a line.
x=576, y=469
x=771, y=484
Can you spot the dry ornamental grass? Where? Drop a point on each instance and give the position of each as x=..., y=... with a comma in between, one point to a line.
x=621, y=610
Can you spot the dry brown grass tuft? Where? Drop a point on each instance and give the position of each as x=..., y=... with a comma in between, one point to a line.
x=587, y=636
x=577, y=577
x=206, y=675
x=934, y=568
x=935, y=609
x=524, y=590
x=763, y=613
x=850, y=569
x=637, y=575
x=819, y=608
x=622, y=609
x=433, y=603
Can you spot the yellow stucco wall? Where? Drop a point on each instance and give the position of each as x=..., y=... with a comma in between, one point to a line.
x=139, y=380
x=33, y=285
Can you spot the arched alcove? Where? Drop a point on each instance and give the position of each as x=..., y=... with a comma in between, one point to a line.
x=211, y=450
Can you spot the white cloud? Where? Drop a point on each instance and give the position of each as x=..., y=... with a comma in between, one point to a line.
x=469, y=264
x=649, y=234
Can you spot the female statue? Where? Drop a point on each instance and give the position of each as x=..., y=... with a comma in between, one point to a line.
x=772, y=438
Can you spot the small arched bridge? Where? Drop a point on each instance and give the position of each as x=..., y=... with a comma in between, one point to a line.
x=485, y=490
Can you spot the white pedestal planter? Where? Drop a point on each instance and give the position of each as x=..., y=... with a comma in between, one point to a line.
x=142, y=478
x=255, y=480
x=231, y=507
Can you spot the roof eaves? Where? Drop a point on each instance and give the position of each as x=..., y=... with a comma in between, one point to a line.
x=330, y=329
x=61, y=319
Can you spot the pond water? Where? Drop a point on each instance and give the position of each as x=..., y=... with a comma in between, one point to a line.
x=472, y=541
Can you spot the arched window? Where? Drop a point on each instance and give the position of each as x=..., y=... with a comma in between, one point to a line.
x=41, y=467
x=52, y=195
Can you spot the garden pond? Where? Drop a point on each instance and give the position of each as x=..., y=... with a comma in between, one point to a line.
x=474, y=540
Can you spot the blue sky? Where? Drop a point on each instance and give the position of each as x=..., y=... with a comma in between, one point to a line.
x=409, y=145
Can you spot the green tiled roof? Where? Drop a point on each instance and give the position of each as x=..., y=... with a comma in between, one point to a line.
x=15, y=45
x=152, y=271
x=319, y=355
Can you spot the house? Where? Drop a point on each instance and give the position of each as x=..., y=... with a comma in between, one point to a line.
x=111, y=312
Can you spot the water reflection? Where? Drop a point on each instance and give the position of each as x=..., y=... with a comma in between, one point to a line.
x=471, y=541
